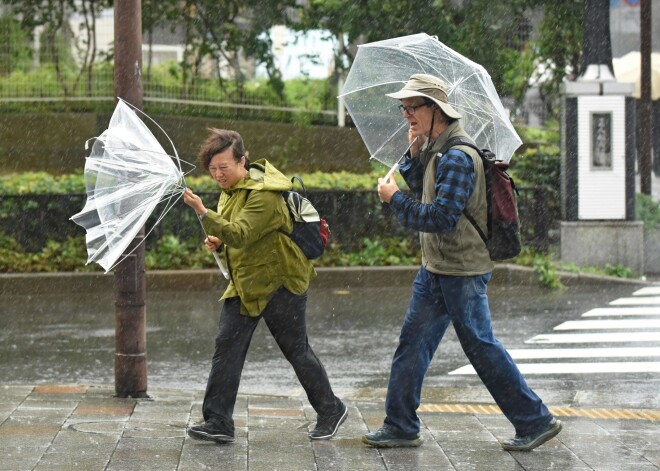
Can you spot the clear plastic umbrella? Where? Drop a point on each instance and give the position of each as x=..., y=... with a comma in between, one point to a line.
x=384, y=66
x=128, y=175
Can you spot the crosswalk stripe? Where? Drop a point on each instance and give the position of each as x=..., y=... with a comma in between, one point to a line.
x=649, y=290
x=642, y=300
x=548, y=353
x=610, y=324
x=645, y=302
x=623, y=311
x=596, y=337
x=577, y=368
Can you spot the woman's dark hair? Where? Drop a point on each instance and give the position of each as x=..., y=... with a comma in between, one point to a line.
x=220, y=140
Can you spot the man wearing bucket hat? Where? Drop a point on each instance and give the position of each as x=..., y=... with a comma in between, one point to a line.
x=450, y=286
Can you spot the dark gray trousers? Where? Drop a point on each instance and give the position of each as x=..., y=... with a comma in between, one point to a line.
x=285, y=318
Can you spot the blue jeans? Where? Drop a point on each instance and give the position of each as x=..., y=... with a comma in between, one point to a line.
x=438, y=300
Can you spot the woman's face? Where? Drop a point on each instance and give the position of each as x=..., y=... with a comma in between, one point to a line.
x=225, y=170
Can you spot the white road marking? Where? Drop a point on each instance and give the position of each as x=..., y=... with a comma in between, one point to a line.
x=610, y=324
x=649, y=290
x=596, y=338
x=547, y=353
x=576, y=368
x=645, y=302
x=623, y=311
x=642, y=300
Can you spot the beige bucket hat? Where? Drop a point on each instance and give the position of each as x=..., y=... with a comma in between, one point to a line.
x=430, y=87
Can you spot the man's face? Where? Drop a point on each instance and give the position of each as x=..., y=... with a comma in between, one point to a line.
x=419, y=115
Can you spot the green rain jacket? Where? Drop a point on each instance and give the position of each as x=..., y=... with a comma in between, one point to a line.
x=260, y=259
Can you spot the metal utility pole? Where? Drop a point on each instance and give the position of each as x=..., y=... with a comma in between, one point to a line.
x=130, y=288
x=645, y=117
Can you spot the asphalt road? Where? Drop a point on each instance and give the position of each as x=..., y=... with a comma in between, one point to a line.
x=55, y=338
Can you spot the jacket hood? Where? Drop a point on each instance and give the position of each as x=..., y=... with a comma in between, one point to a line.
x=263, y=176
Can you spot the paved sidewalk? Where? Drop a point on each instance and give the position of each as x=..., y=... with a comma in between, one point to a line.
x=71, y=427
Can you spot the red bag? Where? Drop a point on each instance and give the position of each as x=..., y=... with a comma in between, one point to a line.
x=502, y=237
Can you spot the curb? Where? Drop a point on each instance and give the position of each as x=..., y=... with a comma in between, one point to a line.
x=328, y=278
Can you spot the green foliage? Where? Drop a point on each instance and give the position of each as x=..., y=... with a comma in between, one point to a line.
x=559, y=46
x=376, y=251
x=546, y=272
x=543, y=266
x=618, y=270
x=647, y=211
x=517, y=67
x=54, y=256
x=15, y=54
x=172, y=254
x=45, y=183
x=546, y=268
x=41, y=183
x=540, y=162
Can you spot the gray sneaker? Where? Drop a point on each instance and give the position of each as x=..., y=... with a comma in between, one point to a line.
x=384, y=438
x=531, y=441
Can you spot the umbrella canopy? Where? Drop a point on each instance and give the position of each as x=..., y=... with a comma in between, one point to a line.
x=628, y=68
x=127, y=174
x=384, y=66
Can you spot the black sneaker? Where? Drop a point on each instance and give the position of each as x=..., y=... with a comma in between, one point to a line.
x=326, y=427
x=210, y=432
x=531, y=441
x=384, y=438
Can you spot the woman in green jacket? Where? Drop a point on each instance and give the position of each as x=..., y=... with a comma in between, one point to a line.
x=268, y=277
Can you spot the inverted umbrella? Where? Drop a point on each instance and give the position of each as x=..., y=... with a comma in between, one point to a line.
x=127, y=175
x=384, y=66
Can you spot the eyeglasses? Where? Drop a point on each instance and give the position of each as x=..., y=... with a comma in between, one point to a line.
x=411, y=109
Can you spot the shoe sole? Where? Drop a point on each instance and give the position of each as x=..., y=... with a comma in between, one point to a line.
x=219, y=438
x=328, y=437
x=394, y=443
x=540, y=440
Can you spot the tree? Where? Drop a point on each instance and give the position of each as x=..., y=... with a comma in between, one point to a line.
x=559, y=47
x=58, y=39
x=15, y=50
x=221, y=35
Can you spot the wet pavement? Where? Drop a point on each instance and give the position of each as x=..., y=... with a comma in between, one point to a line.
x=58, y=410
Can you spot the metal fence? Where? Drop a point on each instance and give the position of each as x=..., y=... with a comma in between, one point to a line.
x=66, y=71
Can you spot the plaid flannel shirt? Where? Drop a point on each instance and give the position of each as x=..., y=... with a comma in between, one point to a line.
x=454, y=184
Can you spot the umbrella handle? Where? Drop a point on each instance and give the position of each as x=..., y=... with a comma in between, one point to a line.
x=394, y=168
x=224, y=271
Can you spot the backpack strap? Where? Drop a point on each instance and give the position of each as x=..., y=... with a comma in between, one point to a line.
x=302, y=185
x=285, y=196
x=463, y=141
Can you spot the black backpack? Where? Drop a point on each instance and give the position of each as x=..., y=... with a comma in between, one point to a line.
x=502, y=237
x=310, y=230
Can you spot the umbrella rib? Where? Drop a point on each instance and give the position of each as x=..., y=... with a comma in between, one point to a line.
x=169, y=205
x=159, y=127
x=371, y=86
